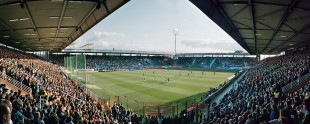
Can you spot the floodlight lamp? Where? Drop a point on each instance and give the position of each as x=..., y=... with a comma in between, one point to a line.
x=175, y=31
x=23, y=19
x=13, y=20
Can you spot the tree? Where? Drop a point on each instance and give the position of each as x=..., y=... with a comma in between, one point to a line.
x=239, y=51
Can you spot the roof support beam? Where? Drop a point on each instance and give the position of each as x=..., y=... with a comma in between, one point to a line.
x=5, y=25
x=290, y=27
x=238, y=12
x=252, y=9
x=30, y=18
x=42, y=38
x=77, y=33
x=65, y=3
x=37, y=28
x=269, y=30
x=214, y=10
x=300, y=32
x=241, y=24
x=106, y=7
x=264, y=25
x=78, y=27
x=10, y=29
x=94, y=17
x=221, y=10
x=288, y=11
x=270, y=13
x=259, y=2
x=19, y=2
x=10, y=3
x=260, y=39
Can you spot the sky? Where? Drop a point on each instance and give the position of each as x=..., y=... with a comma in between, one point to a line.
x=147, y=25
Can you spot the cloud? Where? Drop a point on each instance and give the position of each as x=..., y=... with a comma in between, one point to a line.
x=110, y=40
x=107, y=34
x=216, y=45
x=99, y=40
x=185, y=46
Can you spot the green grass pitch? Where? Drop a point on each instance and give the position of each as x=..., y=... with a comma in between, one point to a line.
x=183, y=83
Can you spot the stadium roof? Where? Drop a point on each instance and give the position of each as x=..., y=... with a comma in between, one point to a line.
x=143, y=52
x=262, y=26
x=50, y=25
x=212, y=54
x=113, y=51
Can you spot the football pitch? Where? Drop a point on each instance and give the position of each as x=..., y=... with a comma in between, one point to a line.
x=135, y=88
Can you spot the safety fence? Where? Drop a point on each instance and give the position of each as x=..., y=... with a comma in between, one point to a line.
x=297, y=83
x=16, y=83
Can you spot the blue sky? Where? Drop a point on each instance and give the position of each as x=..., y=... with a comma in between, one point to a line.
x=147, y=25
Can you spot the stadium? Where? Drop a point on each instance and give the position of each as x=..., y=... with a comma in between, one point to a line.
x=45, y=78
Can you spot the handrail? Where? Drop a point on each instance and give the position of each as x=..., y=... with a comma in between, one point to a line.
x=295, y=83
x=16, y=84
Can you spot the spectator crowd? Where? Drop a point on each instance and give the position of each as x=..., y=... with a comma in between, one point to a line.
x=56, y=98
x=258, y=97
x=217, y=62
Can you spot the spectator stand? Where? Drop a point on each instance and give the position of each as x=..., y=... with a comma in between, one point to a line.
x=297, y=84
x=216, y=92
x=16, y=84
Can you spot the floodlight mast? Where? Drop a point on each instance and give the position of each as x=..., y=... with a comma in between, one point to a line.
x=175, y=33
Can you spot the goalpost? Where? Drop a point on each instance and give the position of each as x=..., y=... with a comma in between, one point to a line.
x=76, y=67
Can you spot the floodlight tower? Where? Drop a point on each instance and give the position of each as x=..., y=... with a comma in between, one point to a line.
x=175, y=33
